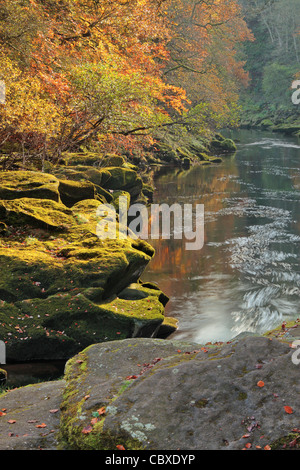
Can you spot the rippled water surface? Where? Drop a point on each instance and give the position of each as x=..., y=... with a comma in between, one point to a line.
x=247, y=275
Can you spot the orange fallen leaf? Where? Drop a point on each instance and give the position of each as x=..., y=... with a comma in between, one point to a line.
x=43, y=425
x=260, y=383
x=245, y=436
x=288, y=410
x=87, y=397
x=120, y=447
x=94, y=421
x=248, y=445
x=11, y=421
x=87, y=430
x=267, y=447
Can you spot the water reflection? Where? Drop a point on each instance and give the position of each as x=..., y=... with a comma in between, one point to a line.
x=247, y=276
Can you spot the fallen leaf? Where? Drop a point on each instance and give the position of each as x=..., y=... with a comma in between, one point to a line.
x=87, y=430
x=11, y=421
x=94, y=421
x=53, y=411
x=267, y=447
x=288, y=410
x=260, y=383
x=293, y=443
x=43, y=425
x=120, y=447
x=245, y=436
x=248, y=445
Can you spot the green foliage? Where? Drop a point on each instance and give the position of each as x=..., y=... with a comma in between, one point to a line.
x=276, y=83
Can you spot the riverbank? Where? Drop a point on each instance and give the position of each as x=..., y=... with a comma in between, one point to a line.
x=266, y=117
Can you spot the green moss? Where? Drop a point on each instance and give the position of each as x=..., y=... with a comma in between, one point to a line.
x=113, y=161
x=222, y=144
x=72, y=192
x=202, y=403
x=42, y=213
x=242, y=396
x=60, y=286
x=288, y=442
x=28, y=184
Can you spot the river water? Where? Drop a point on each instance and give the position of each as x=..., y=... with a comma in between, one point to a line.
x=247, y=275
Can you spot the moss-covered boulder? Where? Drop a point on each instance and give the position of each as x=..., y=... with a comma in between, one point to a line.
x=72, y=192
x=20, y=184
x=113, y=160
x=222, y=145
x=60, y=280
x=124, y=179
x=42, y=213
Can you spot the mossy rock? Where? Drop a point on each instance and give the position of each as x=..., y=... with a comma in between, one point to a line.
x=266, y=124
x=72, y=192
x=148, y=192
x=203, y=157
x=3, y=377
x=124, y=179
x=116, y=199
x=183, y=152
x=57, y=274
x=20, y=184
x=113, y=160
x=165, y=152
x=197, y=147
x=41, y=213
x=223, y=145
x=84, y=159
x=111, y=370
x=215, y=160
x=167, y=328
x=155, y=395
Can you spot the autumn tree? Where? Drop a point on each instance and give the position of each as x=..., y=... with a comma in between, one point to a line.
x=205, y=58
x=84, y=71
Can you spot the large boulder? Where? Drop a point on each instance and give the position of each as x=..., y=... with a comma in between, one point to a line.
x=28, y=184
x=60, y=281
x=156, y=394
x=222, y=145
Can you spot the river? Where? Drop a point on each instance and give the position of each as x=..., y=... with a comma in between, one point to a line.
x=246, y=278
